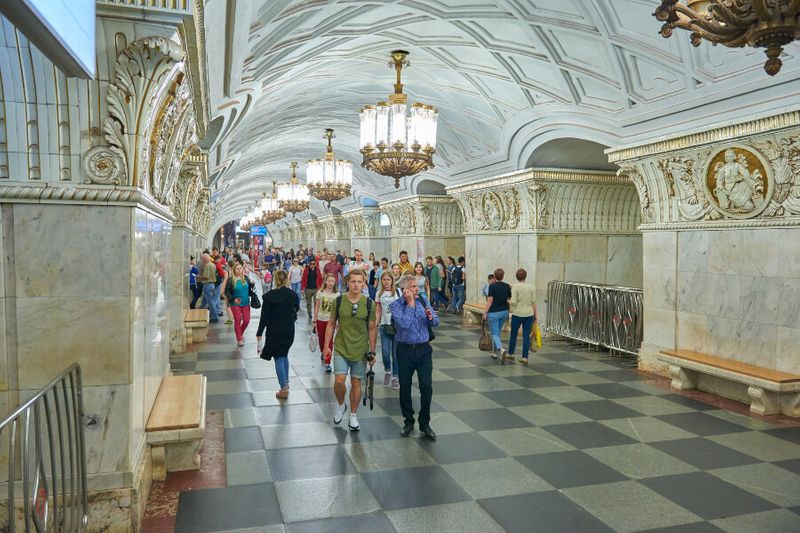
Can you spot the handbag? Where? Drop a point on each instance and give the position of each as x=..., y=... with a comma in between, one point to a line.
x=485, y=342
x=313, y=341
x=255, y=302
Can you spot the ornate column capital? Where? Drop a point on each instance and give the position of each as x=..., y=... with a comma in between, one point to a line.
x=424, y=215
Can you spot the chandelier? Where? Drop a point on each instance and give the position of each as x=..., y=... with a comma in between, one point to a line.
x=769, y=24
x=250, y=218
x=329, y=179
x=293, y=197
x=270, y=208
x=394, y=143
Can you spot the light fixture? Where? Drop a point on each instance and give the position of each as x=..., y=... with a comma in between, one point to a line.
x=329, y=179
x=769, y=24
x=270, y=207
x=293, y=197
x=393, y=143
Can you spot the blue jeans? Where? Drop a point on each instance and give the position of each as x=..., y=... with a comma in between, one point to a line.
x=209, y=302
x=282, y=369
x=458, y=297
x=527, y=324
x=296, y=289
x=496, y=320
x=388, y=351
x=217, y=289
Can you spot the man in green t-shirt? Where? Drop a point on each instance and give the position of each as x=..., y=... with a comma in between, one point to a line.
x=354, y=344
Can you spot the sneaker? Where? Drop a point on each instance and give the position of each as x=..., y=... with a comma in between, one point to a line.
x=523, y=361
x=339, y=414
x=395, y=384
x=240, y=343
x=493, y=355
x=387, y=379
x=328, y=369
x=503, y=356
x=282, y=394
x=353, y=423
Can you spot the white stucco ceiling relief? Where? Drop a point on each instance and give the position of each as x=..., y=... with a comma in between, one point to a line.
x=506, y=75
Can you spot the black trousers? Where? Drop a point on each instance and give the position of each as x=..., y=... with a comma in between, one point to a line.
x=411, y=358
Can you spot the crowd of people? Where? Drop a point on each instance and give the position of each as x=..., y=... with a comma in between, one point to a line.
x=352, y=302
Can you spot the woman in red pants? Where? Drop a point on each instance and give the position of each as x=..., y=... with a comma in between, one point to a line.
x=237, y=292
x=326, y=299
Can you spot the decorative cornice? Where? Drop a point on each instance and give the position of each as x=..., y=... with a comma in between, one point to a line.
x=786, y=222
x=417, y=199
x=715, y=135
x=44, y=192
x=533, y=174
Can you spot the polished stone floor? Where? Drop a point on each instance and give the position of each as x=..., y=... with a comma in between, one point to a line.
x=575, y=442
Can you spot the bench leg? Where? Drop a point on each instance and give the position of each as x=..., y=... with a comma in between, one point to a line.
x=790, y=404
x=158, y=455
x=683, y=378
x=763, y=402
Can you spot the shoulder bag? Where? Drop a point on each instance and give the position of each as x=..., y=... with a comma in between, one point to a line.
x=485, y=342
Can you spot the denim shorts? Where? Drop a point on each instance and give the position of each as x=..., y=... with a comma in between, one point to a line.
x=341, y=365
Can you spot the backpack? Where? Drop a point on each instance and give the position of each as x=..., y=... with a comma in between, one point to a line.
x=369, y=308
x=458, y=275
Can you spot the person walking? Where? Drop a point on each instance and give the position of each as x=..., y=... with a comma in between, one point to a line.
x=238, y=295
x=278, y=315
x=523, y=313
x=322, y=314
x=354, y=344
x=384, y=298
x=442, y=286
x=193, y=285
x=413, y=318
x=374, y=279
x=457, y=277
x=310, y=284
x=496, y=312
x=405, y=266
x=296, y=277
x=422, y=281
x=208, y=280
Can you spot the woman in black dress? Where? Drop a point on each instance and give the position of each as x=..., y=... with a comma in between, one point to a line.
x=278, y=315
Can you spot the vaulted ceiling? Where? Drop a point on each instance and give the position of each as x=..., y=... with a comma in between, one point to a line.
x=508, y=76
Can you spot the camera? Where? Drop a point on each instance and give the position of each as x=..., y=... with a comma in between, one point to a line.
x=370, y=356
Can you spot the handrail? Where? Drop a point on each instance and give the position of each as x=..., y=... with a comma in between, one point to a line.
x=602, y=315
x=52, y=477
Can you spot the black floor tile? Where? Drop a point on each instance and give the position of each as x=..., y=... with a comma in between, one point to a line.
x=791, y=434
x=707, y=496
x=236, y=507
x=392, y=405
x=184, y=366
x=460, y=448
x=373, y=428
x=312, y=462
x=585, y=435
x=449, y=387
x=570, y=469
x=562, y=357
x=229, y=401
x=542, y=512
x=243, y=439
x=325, y=395
x=702, y=424
x=413, y=487
x=795, y=510
x=233, y=374
x=696, y=527
x=483, y=361
x=290, y=414
x=688, y=402
x=447, y=346
x=792, y=465
x=488, y=419
x=621, y=375
x=468, y=373
x=552, y=368
x=263, y=385
x=363, y=523
x=602, y=409
x=219, y=356
x=535, y=382
x=703, y=454
x=516, y=397
x=613, y=390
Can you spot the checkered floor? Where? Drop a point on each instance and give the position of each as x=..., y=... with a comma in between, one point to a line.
x=575, y=442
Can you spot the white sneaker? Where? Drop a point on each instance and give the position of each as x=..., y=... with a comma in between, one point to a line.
x=387, y=379
x=353, y=424
x=339, y=414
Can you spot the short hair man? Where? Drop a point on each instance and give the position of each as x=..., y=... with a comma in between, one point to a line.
x=354, y=315
x=405, y=266
x=412, y=318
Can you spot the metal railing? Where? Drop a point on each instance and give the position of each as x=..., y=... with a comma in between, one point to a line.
x=601, y=315
x=43, y=447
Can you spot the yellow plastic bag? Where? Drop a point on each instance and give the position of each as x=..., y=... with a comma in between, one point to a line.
x=537, y=333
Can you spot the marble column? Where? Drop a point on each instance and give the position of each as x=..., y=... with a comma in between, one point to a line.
x=557, y=225
x=366, y=232
x=424, y=225
x=721, y=225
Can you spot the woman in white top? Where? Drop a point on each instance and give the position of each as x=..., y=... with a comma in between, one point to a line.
x=326, y=300
x=296, y=277
x=523, y=313
x=386, y=295
x=422, y=281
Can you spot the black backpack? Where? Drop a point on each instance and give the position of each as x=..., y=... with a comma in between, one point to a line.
x=458, y=275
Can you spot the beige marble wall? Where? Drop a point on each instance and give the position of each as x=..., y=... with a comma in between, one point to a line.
x=732, y=293
x=485, y=253
x=420, y=247
x=337, y=244
x=381, y=247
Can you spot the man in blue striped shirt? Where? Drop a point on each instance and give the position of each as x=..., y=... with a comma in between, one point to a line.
x=411, y=317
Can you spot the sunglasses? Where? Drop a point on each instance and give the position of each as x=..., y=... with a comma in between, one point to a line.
x=355, y=310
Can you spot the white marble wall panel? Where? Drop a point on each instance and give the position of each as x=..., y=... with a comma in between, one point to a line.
x=381, y=247
x=786, y=356
x=4, y=372
x=624, y=266
x=336, y=244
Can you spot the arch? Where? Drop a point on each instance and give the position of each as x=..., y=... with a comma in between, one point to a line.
x=571, y=153
x=428, y=186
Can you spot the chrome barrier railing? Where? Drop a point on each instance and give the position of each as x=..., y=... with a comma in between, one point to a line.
x=43, y=449
x=600, y=315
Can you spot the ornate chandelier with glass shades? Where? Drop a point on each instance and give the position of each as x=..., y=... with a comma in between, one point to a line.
x=396, y=141
x=769, y=24
x=293, y=197
x=270, y=208
x=329, y=179
x=250, y=218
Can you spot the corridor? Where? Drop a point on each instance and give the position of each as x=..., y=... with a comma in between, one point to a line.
x=576, y=442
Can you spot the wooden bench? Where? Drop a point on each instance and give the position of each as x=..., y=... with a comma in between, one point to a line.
x=473, y=312
x=177, y=424
x=771, y=392
x=196, y=323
